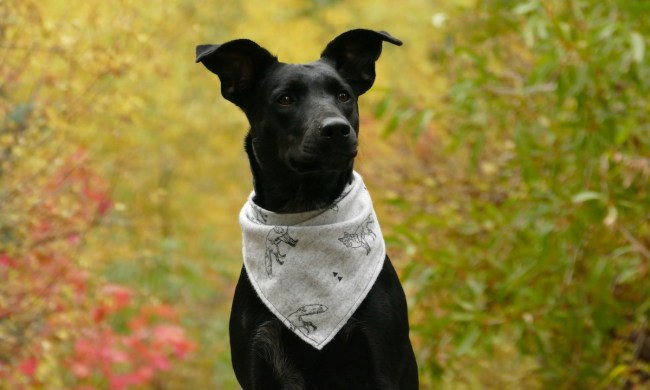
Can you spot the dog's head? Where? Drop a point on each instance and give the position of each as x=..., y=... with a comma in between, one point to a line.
x=304, y=117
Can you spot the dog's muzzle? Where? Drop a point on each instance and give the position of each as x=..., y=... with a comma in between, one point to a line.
x=330, y=147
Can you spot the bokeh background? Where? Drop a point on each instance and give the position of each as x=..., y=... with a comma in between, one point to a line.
x=506, y=145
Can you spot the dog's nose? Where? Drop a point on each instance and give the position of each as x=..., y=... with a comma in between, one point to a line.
x=334, y=128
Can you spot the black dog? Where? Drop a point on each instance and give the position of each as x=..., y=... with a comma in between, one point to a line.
x=301, y=145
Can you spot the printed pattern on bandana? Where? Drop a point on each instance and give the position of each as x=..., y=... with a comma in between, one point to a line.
x=313, y=269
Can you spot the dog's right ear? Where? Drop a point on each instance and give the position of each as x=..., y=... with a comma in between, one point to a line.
x=239, y=65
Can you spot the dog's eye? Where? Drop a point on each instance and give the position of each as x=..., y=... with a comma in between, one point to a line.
x=343, y=96
x=285, y=100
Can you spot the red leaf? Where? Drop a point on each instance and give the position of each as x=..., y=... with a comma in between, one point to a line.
x=104, y=205
x=138, y=323
x=6, y=261
x=145, y=373
x=121, y=295
x=161, y=311
x=160, y=362
x=79, y=280
x=28, y=367
x=74, y=239
x=174, y=336
x=124, y=381
x=81, y=370
x=99, y=314
x=115, y=355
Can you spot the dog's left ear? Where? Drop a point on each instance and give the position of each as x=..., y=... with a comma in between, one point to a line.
x=354, y=54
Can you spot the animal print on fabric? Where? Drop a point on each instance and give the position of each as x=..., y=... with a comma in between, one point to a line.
x=313, y=269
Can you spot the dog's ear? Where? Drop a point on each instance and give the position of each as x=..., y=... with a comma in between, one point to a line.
x=239, y=65
x=354, y=53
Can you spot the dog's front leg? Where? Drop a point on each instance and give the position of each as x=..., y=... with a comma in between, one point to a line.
x=270, y=367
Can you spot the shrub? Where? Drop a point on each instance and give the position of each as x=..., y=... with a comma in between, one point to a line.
x=59, y=321
x=526, y=218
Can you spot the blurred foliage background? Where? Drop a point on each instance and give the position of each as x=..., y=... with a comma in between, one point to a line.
x=506, y=145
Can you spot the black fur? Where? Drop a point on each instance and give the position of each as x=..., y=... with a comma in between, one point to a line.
x=301, y=146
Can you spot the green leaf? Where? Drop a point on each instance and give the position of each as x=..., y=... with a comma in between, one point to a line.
x=607, y=31
x=20, y=113
x=425, y=120
x=392, y=125
x=525, y=8
x=622, y=135
x=468, y=341
x=462, y=317
x=638, y=47
x=382, y=106
x=616, y=372
x=587, y=196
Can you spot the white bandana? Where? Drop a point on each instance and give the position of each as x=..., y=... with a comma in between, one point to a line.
x=313, y=269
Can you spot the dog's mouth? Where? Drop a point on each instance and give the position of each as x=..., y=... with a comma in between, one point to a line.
x=310, y=163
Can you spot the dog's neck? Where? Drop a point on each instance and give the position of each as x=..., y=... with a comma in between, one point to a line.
x=285, y=191
x=294, y=193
